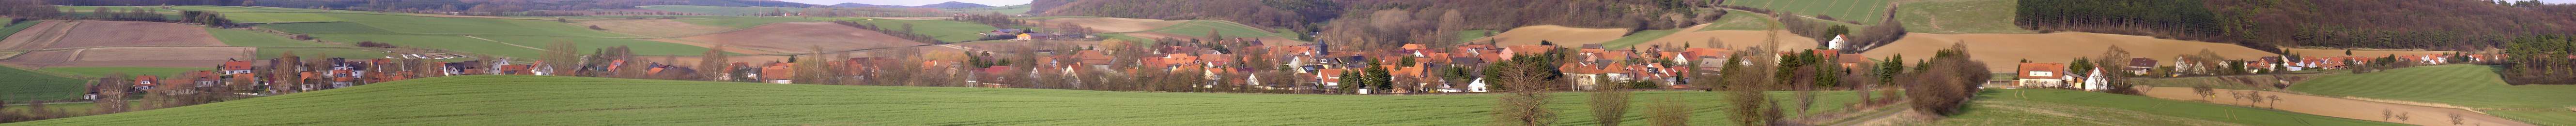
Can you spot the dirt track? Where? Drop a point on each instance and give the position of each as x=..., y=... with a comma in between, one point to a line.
x=800, y=37
x=2343, y=108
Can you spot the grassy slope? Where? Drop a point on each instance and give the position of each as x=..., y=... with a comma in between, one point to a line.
x=448, y=34
x=1959, y=16
x=2463, y=85
x=2263, y=81
x=1471, y=35
x=1863, y=11
x=741, y=22
x=246, y=38
x=21, y=85
x=536, y=100
x=265, y=53
x=1200, y=28
x=944, y=30
x=2063, y=107
x=164, y=72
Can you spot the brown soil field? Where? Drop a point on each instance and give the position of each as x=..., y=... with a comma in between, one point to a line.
x=1561, y=35
x=2339, y=52
x=1109, y=25
x=37, y=37
x=115, y=34
x=2339, y=107
x=693, y=60
x=800, y=37
x=2001, y=52
x=1733, y=39
x=653, y=27
x=126, y=33
x=133, y=57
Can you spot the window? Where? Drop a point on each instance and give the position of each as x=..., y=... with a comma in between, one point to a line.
x=2040, y=73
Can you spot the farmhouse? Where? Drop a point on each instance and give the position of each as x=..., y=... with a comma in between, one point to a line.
x=2040, y=75
x=2140, y=66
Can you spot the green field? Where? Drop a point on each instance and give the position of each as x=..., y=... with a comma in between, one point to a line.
x=2462, y=85
x=2261, y=81
x=1863, y=11
x=275, y=52
x=1012, y=9
x=22, y=85
x=405, y=24
x=640, y=47
x=2048, y=107
x=447, y=34
x=244, y=38
x=1640, y=37
x=1959, y=16
x=1472, y=35
x=541, y=100
x=1739, y=20
x=163, y=72
x=944, y=30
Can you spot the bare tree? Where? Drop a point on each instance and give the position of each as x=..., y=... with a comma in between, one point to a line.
x=111, y=93
x=712, y=64
x=1526, y=80
x=1609, y=104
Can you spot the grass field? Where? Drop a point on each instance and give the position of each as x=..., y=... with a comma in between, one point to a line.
x=1959, y=16
x=2065, y=108
x=1465, y=36
x=1637, y=38
x=1863, y=11
x=22, y=85
x=640, y=47
x=346, y=23
x=2462, y=85
x=275, y=52
x=164, y=72
x=243, y=38
x=2261, y=81
x=538, y=100
x=1739, y=20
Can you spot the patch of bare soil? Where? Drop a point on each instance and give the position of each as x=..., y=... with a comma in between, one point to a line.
x=37, y=37
x=2339, y=107
x=128, y=34
x=1560, y=35
x=800, y=37
x=1732, y=39
x=2001, y=52
x=653, y=27
x=1109, y=25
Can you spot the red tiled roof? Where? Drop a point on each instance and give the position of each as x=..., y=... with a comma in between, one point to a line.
x=2055, y=70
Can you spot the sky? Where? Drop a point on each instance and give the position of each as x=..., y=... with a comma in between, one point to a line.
x=928, y=2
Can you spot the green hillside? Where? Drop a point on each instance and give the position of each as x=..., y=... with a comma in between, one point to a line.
x=22, y=85
x=1959, y=16
x=163, y=72
x=2462, y=85
x=542, y=100
x=1863, y=11
x=717, y=10
x=2051, y=107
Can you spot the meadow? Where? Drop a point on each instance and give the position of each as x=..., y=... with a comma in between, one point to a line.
x=245, y=38
x=1863, y=11
x=944, y=30
x=352, y=53
x=1468, y=35
x=22, y=85
x=2067, y=108
x=1959, y=16
x=163, y=72
x=13, y=28
x=2260, y=82
x=2462, y=85
x=1200, y=28
x=544, y=100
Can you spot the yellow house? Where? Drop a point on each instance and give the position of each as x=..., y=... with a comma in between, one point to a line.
x=1024, y=36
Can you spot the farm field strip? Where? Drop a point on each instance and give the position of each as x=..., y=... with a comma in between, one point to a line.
x=2066, y=107
x=2463, y=85
x=23, y=85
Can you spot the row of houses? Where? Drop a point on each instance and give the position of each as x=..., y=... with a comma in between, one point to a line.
x=1322, y=69
x=2056, y=75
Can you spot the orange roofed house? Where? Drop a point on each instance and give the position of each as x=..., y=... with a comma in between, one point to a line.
x=2040, y=75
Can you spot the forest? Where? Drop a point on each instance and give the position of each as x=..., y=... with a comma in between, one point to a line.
x=2268, y=24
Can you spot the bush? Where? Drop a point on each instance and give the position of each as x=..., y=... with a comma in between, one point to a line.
x=1948, y=84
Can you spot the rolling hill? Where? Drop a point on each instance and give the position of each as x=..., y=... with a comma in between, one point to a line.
x=546, y=100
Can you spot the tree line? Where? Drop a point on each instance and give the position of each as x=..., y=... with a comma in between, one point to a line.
x=2267, y=24
x=2541, y=59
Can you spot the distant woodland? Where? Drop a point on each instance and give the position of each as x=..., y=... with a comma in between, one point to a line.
x=2266, y=24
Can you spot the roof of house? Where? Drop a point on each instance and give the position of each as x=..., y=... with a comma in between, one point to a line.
x=2056, y=70
x=2142, y=62
x=1529, y=49
x=236, y=65
x=777, y=71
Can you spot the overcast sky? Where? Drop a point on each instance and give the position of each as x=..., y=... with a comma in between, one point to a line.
x=922, y=2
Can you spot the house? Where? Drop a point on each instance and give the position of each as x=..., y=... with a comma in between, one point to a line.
x=2140, y=66
x=2040, y=75
x=778, y=73
x=146, y=82
x=235, y=67
x=1851, y=62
